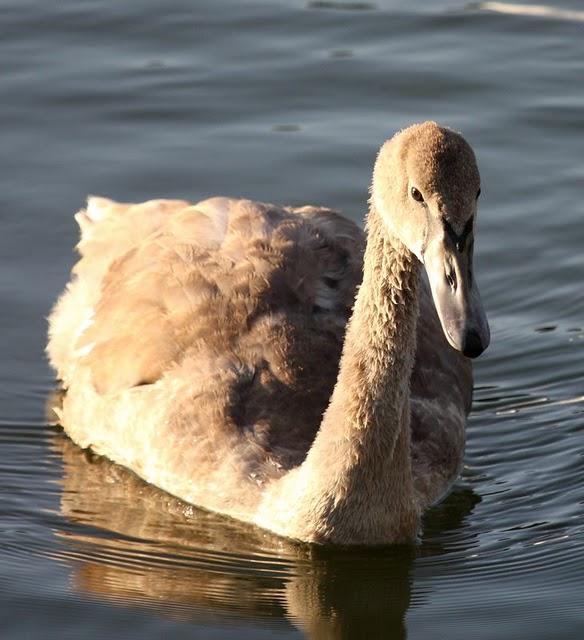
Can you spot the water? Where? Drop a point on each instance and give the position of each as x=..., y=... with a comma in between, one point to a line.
x=287, y=101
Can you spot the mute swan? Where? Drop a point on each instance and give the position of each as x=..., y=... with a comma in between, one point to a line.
x=211, y=348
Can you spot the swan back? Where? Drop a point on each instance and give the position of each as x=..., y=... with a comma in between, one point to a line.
x=203, y=275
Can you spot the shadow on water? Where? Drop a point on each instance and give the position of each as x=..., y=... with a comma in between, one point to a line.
x=130, y=543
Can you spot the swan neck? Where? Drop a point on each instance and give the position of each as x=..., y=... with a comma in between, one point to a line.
x=371, y=397
x=355, y=485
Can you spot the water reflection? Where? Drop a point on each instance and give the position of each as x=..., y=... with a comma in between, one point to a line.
x=131, y=543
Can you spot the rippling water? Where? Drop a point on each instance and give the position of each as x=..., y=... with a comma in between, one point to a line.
x=287, y=101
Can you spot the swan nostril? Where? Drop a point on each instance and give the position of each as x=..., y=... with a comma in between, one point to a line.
x=451, y=280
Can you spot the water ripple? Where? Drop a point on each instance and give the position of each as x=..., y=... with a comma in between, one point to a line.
x=533, y=10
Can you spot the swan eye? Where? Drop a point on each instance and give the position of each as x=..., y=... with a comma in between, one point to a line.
x=478, y=193
x=416, y=195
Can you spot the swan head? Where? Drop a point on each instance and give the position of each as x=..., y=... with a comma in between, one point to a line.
x=426, y=185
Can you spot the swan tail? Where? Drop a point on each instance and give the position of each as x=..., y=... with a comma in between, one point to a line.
x=97, y=209
x=108, y=230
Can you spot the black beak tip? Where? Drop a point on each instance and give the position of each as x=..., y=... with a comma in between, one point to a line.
x=473, y=345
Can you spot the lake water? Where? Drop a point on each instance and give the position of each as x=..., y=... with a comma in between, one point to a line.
x=287, y=101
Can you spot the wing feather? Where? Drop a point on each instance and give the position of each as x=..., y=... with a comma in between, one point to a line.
x=203, y=274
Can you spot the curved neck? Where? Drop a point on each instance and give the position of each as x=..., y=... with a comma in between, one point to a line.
x=355, y=485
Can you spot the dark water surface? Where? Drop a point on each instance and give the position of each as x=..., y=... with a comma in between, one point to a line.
x=287, y=101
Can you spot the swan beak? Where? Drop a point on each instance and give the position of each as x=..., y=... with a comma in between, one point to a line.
x=449, y=266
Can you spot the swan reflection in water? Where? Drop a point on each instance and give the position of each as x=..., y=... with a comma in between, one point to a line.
x=130, y=543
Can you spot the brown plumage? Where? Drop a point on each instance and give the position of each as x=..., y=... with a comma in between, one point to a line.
x=206, y=347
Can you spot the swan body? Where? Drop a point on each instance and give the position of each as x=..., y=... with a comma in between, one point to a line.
x=218, y=350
